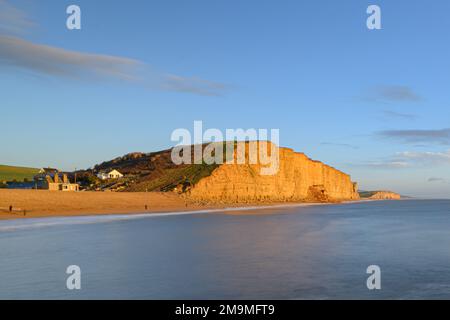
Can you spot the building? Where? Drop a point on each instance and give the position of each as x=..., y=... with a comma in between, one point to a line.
x=56, y=184
x=113, y=174
x=44, y=172
x=48, y=171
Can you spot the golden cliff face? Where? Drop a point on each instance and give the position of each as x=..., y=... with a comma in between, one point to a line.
x=298, y=179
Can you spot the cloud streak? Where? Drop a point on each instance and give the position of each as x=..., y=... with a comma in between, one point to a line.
x=193, y=85
x=392, y=93
x=16, y=52
x=408, y=159
x=397, y=93
x=385, y=164
x=442, y=180
x=440, y=136
x=43, y=59
x=425, y=158
x=52, y=61
x=344, y=145
x=13, y=20
x=399, y=115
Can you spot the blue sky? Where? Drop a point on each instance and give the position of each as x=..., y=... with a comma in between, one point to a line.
x=373, y=103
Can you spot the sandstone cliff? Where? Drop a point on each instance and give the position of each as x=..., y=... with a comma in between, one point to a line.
x=298, y=179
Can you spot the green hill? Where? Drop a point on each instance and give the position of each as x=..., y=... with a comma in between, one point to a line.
x=146, y=172
x=366, y=194
x=10, y=173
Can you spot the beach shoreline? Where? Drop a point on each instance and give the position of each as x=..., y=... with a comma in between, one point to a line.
x=45, y=204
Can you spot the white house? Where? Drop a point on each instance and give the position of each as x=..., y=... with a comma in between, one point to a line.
x=105, y=175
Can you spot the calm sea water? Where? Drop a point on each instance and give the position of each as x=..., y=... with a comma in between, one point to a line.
x=318, y=252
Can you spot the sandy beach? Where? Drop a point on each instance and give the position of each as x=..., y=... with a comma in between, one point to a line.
x=41, y=203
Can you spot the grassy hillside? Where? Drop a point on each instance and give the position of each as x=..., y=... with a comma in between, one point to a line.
x=169, y=178
x=9, y=173
x=146, y=172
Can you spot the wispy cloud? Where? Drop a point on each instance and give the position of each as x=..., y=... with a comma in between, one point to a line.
x=399, y=115
x=43, y=59
x=439, y=136
x=441, y=180
x=53, y=61
x=193, y=85
x=408, y=159
x=12, y=19
x=392, y=93
x=384, y=164
x=425, y=158
x=398, y=93
x=16, y=52
x=344, y=145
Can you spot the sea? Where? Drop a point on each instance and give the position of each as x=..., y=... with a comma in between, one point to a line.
x=286, y=252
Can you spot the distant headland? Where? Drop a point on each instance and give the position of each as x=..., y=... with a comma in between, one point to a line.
x=380, y=195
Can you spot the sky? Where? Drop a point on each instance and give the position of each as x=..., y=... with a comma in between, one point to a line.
x=372, y=103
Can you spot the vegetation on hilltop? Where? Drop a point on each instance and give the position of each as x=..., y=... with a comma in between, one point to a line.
x=366, y=194
x=147, y=172
x=379, y=194
x=11, y=173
